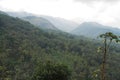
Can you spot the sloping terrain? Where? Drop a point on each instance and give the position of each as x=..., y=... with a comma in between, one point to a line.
x=23, y=46
x=93, y=29
x=40, y=22
x=62, y=24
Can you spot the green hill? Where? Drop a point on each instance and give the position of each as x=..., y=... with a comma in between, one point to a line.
x=40, y=22
x=23, y=46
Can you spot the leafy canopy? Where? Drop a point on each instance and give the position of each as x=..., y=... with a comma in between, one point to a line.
x=52, y=71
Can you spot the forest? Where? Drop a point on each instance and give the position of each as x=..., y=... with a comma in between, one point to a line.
x=25, y=50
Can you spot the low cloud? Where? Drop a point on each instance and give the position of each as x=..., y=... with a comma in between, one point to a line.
x=87, y=1
x=49, y=0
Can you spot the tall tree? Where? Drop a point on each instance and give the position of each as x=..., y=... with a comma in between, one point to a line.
x=108, y=38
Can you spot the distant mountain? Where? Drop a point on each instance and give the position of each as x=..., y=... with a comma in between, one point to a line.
x=1, y=12
x=62, y=24
x=93, y=29
x=19, y=14
x=24, y=47
x=40, y=22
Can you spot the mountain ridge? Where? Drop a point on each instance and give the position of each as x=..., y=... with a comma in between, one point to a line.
x=87, y=29
x=93, y=29
x=23, y=47
x=62, y=24
x=59, y=23
x=40, y=22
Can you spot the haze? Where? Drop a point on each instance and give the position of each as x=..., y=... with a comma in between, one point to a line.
x=102, y=11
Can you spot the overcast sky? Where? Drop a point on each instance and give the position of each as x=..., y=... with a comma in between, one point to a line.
x=106, y=12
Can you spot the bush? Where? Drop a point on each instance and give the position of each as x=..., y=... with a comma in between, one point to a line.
x=52, y=71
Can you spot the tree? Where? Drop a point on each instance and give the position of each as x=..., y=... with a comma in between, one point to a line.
x=51, y=71
x=108, y=38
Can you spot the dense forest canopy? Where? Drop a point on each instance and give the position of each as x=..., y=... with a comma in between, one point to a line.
x=23, y=46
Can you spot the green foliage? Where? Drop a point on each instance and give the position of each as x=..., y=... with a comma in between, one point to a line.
x=51, y=71
x=22, y=46
x=108, y=38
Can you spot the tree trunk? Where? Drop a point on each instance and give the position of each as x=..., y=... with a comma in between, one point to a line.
x=103, y=70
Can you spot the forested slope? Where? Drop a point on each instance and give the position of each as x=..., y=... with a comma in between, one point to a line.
x=23, y=46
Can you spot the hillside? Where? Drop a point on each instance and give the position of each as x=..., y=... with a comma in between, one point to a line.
x=62, y=24
x=59, y=23
x=40, y=22
x=93, y=29
x=19, y=14
x=23, y=46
